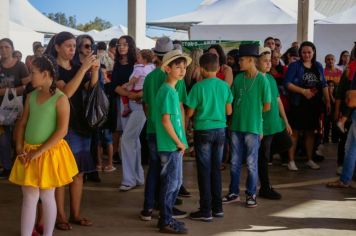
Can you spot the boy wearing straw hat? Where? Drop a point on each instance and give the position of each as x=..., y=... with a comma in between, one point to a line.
x=171, y=140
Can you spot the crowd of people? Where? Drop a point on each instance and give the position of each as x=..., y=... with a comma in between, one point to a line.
x=245, y=106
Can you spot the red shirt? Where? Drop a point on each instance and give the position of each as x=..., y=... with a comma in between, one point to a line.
x=333, y=75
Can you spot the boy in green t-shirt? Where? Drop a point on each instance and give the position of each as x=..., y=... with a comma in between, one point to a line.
x=171, y=140
x=272, y=124
x=152, y=83
x=252, y=97
x=210, y=101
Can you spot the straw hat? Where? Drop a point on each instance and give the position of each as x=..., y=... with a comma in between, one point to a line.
x=172, y=55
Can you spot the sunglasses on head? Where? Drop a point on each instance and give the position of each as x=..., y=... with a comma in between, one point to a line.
x=87, y=46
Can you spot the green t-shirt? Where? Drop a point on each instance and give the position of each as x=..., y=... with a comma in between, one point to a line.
x=250, y=95
x=209, y=98
x=152, y=83
x=167, y=102
x=272, y=121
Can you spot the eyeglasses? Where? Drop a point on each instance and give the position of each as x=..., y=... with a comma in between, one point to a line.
x=87, y=46
x=122, y=45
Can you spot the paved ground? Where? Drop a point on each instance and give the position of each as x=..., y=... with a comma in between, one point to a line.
x=307, y=207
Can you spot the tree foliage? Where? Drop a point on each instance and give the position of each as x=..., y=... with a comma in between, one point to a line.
x=71, y=21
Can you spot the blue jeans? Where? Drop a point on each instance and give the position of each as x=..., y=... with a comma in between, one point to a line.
x=152, y=178
x=5, y=147
x=171, y=180
x=209, y=148
x=350, y=153
x=244, y=145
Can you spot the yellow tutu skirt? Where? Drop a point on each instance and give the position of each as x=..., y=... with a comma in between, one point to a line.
x=54, y=168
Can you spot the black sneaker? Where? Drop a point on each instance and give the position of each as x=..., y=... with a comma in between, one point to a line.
x=251, y=201
x=198, y=215
x=318, y=158
x=178, y=202
x=173, y=228
x=178, y=214
x=218, y=214
x=116, y=159
x=231, y=197
x=146, y=215
x=4, y=174
x=93, y=177
x=270, y=193
x=183, y=192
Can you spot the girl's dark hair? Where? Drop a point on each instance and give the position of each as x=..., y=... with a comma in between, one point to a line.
x=220, y=51
x=79, y=42
x=9, y=41
x=101, y=46
x=308, y=44
x=47, y=63
x=131, y=54
x=340, y=59
x=50, y=50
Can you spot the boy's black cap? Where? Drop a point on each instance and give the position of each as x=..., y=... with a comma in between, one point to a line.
x=249, y=50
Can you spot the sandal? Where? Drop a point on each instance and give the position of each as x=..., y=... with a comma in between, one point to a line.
x=81, y=222
x=337, y=184
x=63, y=226
x=99, y=168
x=109, y=168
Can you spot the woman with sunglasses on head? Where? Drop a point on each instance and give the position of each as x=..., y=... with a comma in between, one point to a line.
x=74, y=81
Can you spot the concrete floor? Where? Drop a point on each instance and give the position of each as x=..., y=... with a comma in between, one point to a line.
x=307, y=207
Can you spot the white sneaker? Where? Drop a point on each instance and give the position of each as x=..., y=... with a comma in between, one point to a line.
x=313, y=165
x=339, y=170
x=291, y=166
x=124, y=188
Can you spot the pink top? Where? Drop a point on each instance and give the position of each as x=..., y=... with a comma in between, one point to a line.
x=140, y=71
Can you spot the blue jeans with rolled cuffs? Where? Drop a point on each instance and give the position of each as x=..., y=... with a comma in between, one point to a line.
x=152, y=185
x=209, y=149
x=171, y=180
x=244, y=145
x=350, y=153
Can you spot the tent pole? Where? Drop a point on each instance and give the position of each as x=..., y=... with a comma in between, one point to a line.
x=305, y=20
x=137, y=20
x=5, y=19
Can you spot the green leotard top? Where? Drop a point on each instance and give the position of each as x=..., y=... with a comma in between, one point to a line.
x=42, y=120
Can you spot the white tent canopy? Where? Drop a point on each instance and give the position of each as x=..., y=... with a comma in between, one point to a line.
x=18, y=33
x=23, y=13
x=258, y=19
x=236, y=12
x=116, y=32
x=346, y=17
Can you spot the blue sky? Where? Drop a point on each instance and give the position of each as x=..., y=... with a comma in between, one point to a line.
x=115, y=11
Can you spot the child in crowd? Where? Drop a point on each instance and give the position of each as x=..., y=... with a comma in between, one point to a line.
x=104, y=135
x=171, y=140
x=252, y=95
x=152, y=83
x=272, y=124
x=143, y=67
x=44, y=160
x=209, y=101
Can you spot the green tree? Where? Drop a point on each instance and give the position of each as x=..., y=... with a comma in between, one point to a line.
x=97, y=24
x=71, y=21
